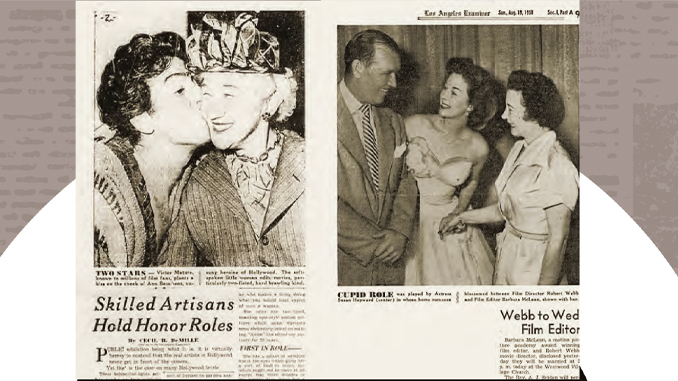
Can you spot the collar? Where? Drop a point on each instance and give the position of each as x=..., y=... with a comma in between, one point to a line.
x=271, y=145
x=213, y=175
x=537, y=152
x=351, y=102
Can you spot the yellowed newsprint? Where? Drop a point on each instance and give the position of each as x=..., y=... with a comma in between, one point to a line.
x=266, y=191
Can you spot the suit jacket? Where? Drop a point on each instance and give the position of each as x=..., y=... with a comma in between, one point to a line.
x=124, y=230
x=212, y=227
x=362, y=212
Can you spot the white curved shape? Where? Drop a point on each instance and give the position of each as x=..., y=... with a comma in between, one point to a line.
x=629, y=296
x=37, y=295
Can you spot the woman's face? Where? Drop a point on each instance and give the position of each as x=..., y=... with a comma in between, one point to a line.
x=232, y=104
x=454, y=99
x=514, y=114
x=176, y=102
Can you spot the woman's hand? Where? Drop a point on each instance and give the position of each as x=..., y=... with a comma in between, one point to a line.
x=451, y=223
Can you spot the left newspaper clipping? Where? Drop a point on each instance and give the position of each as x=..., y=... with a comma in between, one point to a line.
x=191, y=192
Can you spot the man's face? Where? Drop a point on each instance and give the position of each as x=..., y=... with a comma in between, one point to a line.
x=175, y=101
x=375, y=79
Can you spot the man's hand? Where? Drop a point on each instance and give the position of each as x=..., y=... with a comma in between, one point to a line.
x=391, y=247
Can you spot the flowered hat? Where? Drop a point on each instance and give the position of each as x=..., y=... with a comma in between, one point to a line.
x=218, y=45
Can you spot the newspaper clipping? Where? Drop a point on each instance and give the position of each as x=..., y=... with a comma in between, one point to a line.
x=206, y=204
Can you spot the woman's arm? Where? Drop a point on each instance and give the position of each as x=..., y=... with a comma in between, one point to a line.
x=476, y=216
x=480, y=152
x=558, y=219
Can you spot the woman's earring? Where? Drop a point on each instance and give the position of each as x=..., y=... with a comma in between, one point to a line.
x=266, y=116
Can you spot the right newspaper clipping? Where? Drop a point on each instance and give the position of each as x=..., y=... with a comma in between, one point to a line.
x=458, y=184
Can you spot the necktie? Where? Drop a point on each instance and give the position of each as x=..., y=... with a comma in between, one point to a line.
x=370, y=142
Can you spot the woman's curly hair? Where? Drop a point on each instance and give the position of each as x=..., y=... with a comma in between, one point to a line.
x=287, y=85
x=124, y=93
x=543, y=103
x=480, y=89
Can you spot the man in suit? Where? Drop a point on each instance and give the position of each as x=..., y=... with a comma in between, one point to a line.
x=376, y=195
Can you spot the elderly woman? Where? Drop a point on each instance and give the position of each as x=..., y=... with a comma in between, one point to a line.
x=446, y=156
x=537, y=187
x=151, y=110
x=244, y=203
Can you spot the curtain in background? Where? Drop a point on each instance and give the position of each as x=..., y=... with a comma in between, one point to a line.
x=500, y=49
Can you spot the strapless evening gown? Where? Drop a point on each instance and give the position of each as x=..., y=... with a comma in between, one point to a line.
x=462, y=258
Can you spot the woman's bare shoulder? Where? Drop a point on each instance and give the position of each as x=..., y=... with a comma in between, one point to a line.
x=478, y=144
x=418, y=123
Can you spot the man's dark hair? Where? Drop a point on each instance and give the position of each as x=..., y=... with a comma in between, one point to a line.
x=480, y=89
x=361, y=47
x=543, y=103
x=124, y=93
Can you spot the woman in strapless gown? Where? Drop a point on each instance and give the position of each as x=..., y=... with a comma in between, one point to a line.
x=445, y=155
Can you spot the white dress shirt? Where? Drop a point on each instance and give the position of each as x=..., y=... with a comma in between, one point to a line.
x=354, y=108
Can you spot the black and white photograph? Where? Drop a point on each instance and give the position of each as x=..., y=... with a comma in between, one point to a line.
x=206, y=208
x=199, y=149
x=458, y=155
